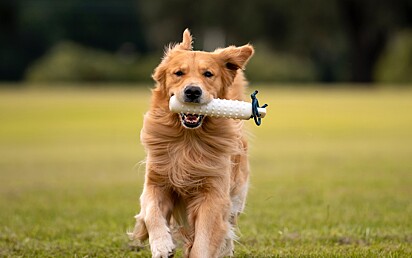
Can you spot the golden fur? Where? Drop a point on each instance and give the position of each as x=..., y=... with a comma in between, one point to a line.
x=196, y=179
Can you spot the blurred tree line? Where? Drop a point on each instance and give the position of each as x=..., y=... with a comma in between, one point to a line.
x=103, y=40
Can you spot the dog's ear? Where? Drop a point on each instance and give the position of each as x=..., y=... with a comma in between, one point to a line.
x=187, y=42
x=159, y=74
x=235, y=57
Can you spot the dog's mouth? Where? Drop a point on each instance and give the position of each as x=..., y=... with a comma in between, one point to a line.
x=191, y=121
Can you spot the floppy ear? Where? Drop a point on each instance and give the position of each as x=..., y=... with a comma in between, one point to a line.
x=236, y=57
x=159, y=74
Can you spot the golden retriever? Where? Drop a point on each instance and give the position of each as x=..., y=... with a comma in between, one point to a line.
x=197, y=170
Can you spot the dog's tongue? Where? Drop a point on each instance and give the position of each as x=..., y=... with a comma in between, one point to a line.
x=191, y=118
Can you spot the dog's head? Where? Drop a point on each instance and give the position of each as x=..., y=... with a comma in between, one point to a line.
x=198, y=77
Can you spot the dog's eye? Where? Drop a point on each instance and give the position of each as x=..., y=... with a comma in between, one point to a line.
x=179, y=73
x=208, y=74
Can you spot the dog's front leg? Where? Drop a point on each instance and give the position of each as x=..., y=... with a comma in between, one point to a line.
x=156, y=207
x=211, y=226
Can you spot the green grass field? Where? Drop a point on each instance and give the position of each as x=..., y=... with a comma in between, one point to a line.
x=331, y=173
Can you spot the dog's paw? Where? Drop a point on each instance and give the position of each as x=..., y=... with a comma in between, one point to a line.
x=162, y=247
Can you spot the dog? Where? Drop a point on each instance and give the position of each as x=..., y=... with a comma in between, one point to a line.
x=197, y=170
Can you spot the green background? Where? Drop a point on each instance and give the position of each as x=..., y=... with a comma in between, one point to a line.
x=331, y=172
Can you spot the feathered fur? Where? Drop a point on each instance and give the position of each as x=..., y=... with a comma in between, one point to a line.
x=196, y=179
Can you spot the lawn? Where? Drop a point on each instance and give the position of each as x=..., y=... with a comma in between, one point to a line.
x=331, y=173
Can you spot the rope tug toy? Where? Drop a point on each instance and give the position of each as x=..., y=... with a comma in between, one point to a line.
x=223, y=108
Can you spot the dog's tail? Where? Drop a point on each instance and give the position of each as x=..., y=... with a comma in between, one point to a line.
x=139, y=233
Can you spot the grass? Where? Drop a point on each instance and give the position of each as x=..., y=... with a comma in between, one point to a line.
x=331, y=173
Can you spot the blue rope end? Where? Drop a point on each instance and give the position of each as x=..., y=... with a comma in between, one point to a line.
x=255, y=106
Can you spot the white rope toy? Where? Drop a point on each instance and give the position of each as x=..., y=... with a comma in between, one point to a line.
x=234, y=109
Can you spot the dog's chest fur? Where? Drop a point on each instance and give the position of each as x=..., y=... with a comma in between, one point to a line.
x=189, y=160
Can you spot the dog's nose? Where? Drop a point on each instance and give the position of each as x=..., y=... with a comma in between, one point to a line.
x=193, y=94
